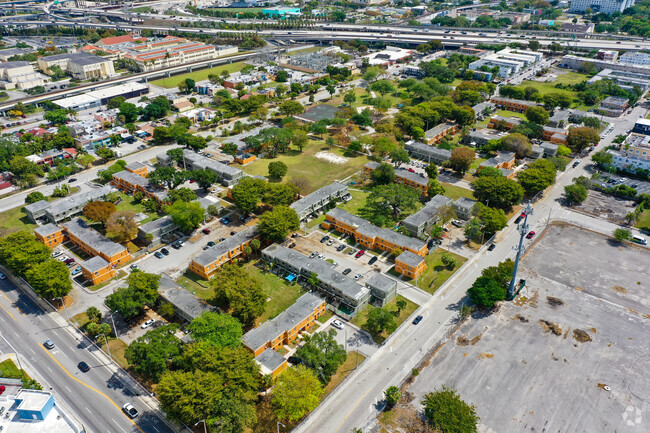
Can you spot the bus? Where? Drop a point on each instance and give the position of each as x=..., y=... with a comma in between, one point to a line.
x=639, y=240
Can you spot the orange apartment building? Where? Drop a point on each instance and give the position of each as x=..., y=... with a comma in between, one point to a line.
x=137, y=168
x=283, y=329
x=500, y=122
x=404, y=177
x=130, y=182
x=410, y=264
x=97, y=270
x=513, y=104
x=371, y=236
x=209, y=261
x=554, y=135
x=439, y=132
x=50, y=234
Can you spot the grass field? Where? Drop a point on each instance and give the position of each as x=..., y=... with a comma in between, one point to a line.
x=319, y=171
x=350, y=364
x=505, y=113
x=128, y=203
x=568, y=78
x=195, y=284
x=358, y=201
x=436, y=274
x=9, y=370
x=117, y=348
x=360, y=318
x=15, y=219
x=455, y=192
x=304, y=51
x=643, y=222
x=200, y=75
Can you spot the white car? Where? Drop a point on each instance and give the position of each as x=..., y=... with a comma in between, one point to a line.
x=63, y=258
x=56, y=253
x=147, y=324
x=356, y=277
x=130, y=410
x=337, y=324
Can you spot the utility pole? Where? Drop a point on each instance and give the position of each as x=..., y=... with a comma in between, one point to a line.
x=523, y=229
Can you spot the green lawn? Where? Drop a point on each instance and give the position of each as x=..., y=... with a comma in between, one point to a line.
x=326, y=316
x=200, y=75
x=360, y=318
x=128, y=203
x=436, y=274
x=195, y=284
x=15, y=219
x=320, y=172
x=568, y=78
x=9, y=370
x=358, y=201
x=504, y=113
x=280, y=294
x=117, y=348
x=455, y=192
x=643, y=222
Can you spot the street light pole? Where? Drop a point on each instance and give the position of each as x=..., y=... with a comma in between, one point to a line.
x=205, y=425
x=280, y=424
x=522, y=232
x=107, y=348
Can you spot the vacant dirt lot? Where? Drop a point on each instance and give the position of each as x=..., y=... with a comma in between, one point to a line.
x=571, y=354
x=607, y=206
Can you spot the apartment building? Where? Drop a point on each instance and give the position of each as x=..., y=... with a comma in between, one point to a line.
x=209, y=261
x=410, y=265
x=513, y=104
x=438, y=133
x=371, y=236
x=187, y=306
x=81, y=65
x=50, y=234
x=137, y=168
x=555, y=135
x=504, y=161
x=464, y=207
x=482, y=137
x=320, y=199
x=635, y=58
x=97, y=270
x=634, y=153
x=575, y=62
x=613, y=106
x=228, y=176
x=503, y=123
x=508, y=60
x=604, y=6
x=343, y=292
x=419, y=223
x=642, y=126
x=95, y=244
x=130, y=183
x=404, y=177
x=382, y=289
x=66, y=207
x=430, y=154
x=153, y=231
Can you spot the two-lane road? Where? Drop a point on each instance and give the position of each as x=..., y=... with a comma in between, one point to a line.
x=95, y=397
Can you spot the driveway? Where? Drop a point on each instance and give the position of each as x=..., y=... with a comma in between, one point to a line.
x=352, y=338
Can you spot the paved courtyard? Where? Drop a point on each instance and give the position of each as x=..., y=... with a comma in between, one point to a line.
x=571, y=354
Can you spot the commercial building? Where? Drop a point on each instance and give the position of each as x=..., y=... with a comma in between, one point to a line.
x=405, y=177
x=575, y=62
x=642, y=126
x=635, y=58
x=513, y=104
x=209, y=261
x=81, y=65
x=97, y=98
x=21, y=75
x=613, y=106
x=227, y=175
x=320, y=199
x=409, y=264
x=66, y=207
x=508, y=60
x=382, y=289
x=625, y=80
x=339, y=290
x=609, y=55
x=430, y=154
x=369, y=235
x=633, y=154
x=439, y=132
x=604, y=6
x=419, y=223
x=388, y=56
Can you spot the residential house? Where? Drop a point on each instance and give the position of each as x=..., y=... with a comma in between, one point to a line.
x=410, y=265
x=419, y=223
x=320, y=199
x=66, y=207
x=209, y=261
x=430, y=154
x=438, y=133
x=382, y=289
x=154, y=231
x=52, y=156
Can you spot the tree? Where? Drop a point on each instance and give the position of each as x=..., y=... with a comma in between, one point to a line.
x=99, y=211
x=220, y=329
x=187, y=216
x=130, y=301
x=591, y=122
x=383, y=87
x=121, y=226
x=399, y=157
x=502, y=273
x=167, y=176
x=383, y=175
x=277, y=193
x=379, y=320
x=85, y=160
x=462, y=158
x=448, y=260
x=296, y=392
x=539, y=175
x=622, y=235
x=602, y=158
x=248, y=193
x=281, y=76
x=182, y=194
x=322, y=354
x=56, y=117
x=500, y=192
x=274, y=225
x=129, y=111
x=350, y=98
x=291, y=108
x=20, y=250
x=238, y=293
x=582, y=137
x=204, y=178
x=534, y=45
x=517, y=143
x=300, y=139
x=94, y=330
x=277, y=170
x=473, y=230
x=331, y=90
x=489, y=172
x=431, y=170
x=485, y=292
x=33, y=197
x=575, y=194
x=371, y=74
x=94, y=315
x=392, y=199
x=392, y=396
x=446, y=411
x=50, y=279
x=152, y=353
x=492, y=220
x=115, y=102
x=435, y=188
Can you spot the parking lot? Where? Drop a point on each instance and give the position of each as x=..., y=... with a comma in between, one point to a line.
x=641, y=186
x=571, y=354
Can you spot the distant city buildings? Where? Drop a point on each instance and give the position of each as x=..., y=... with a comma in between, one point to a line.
x=508, y=60
x=21, y=75
x=604, y=6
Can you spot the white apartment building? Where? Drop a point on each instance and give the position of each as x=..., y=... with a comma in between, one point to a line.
x=605, y=6
x=83, y=66
x=634, y=153
x=508, y=60
x=20, y=75
x=635, y=58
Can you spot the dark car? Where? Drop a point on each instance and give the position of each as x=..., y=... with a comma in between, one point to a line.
x=176, y=245
x=158, y=254
x=165, y=251
x=417, y=320
x=83, y=367
x=491, y=247
x=324, y=239
x=519, y=218
x=72, y=179
x=292, y=245
x=206, y=231
x=340, y=248
x=225, y=220
x=347, y=271
x=294, y=235
x=68, y=261
x=372, y=260
x=233, y=233
x=530, y=234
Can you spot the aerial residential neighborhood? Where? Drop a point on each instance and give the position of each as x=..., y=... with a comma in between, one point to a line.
x=324, y=217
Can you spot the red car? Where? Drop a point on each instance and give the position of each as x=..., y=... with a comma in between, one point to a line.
x=2, y=389
x=206, y=231
x=359, y=254
x=530, y=234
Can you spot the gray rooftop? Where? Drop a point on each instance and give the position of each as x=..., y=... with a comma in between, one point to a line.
x=513, y=120
x=438, y=129
x=381, y=283
x=154, y=225
x=367, y=229
x=131, y=178
x=47, y=229
x=296, y=313
x=465, y=203
x=318, y=196
x=38, y=206
x=94, y=264
x=212, y=254
x=417, y=146
x=79, y=58
x=497, y=99
x=12, y=65
x=134, y=166
x=63, y=205
x=185, y=302
x=318, y=112
x=200, y=162
x=500, y=158
x=94, y=239
x=428, y=211
x=270, y=360
x=413, y=177
x=410, y=259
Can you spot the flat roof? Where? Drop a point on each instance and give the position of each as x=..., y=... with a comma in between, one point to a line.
x=381, y=283
x=97, y=241
x=97, y=95
x=270, y=360
x=184, y=301
x=94, y=264
x=317, y=196
x=318, y=112
x=32, y=399
x=410, y=259
x=47, y=229
x=211, y=255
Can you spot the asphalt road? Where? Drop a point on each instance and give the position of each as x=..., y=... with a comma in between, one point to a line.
x=95, y=397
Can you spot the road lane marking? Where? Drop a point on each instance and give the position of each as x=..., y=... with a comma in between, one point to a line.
x=353, y=408
x=69, y=390
x=88, y=411
x=8, y=312
x=154, y=427
x=118, y=425
x=90, y=387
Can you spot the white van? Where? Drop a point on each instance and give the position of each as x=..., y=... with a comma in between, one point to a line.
x=639, y=240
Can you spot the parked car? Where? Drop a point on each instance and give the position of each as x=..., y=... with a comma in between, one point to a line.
x=519, y=218
x=530, y=234
x=130, y=410
x=347, y=271
x=226, y=220
x=321, y=256
x=417, y=320
x=372, y=260
x=83, y=367
x=340, y=247
x=356, y=277
x=337, y=324
x=330, y=242
x=312, y=255
x=352, y=251
x=147, y=324
x=491, y=247
x=69, y=262
x=324, y=239
x=158, y=255
x=165, y=251
x=292, y=245
x=294, y=235
x=48, y=344
x=2, y=389
x=72, y=179
x=134, y=267
x=2, y=276
x=211, y=244
x=359, y=254
x=177, y=244
x=457, y=223
x=76, y=271
x=206, y=231
x=56, y=253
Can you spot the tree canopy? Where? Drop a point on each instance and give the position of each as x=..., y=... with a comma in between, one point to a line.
x=219, y=329
x=485, y=292
x=275, y=224
x=187, y=216
x=236, y=292
x=296, y=392
x=322, y=354
x=446, y=411
x=99, y=211
x=499, y=192
x=152, y=353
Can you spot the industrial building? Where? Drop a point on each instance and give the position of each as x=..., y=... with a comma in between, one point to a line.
x=508, y=60
x=97, y=98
